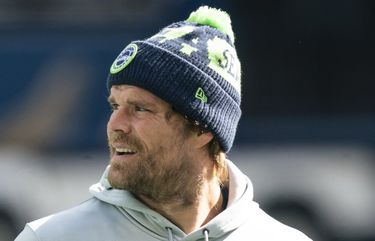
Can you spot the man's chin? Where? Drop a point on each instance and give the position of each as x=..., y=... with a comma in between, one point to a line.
x=116, y=177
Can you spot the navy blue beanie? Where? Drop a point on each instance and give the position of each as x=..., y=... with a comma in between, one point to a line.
x=192, y=65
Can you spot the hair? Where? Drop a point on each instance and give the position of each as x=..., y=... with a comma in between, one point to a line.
x=219, y=157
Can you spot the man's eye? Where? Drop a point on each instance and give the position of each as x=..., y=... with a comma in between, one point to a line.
x=113, y=107
x=139, y=108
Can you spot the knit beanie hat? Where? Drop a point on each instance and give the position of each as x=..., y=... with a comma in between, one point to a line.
x=193, y=66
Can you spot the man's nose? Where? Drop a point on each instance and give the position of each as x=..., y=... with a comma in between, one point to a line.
x=119, y=121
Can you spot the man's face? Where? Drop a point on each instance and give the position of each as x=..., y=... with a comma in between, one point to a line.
x=150, y=146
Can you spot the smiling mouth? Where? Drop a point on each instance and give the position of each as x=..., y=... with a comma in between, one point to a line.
x=124, y=151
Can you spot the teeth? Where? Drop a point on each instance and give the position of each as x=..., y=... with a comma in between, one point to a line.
x=124, y=150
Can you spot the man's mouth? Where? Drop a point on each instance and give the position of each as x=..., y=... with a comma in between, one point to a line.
x=124, y=151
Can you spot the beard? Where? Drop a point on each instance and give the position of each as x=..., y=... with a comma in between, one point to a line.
x=164, y=175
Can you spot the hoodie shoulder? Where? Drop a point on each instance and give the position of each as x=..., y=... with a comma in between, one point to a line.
x=27, y=234
x=88, y=221
x=264, y=227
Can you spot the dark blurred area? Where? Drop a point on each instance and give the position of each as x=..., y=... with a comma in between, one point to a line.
x=308, y=76
x=308, y=67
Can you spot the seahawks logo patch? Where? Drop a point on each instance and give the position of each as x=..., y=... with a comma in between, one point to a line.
x=125, y=57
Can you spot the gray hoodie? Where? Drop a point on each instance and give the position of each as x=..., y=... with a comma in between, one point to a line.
x=116, y=215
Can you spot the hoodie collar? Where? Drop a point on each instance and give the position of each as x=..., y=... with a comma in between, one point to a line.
x=237, y=212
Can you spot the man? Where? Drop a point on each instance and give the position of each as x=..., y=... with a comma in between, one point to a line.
x=176, y=104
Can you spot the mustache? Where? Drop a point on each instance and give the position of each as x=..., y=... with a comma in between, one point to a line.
x=120, y=137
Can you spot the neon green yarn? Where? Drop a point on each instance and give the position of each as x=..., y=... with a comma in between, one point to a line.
x=213, y=17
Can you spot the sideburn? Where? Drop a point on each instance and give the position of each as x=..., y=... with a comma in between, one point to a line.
x=173, y=116
x=214, y=149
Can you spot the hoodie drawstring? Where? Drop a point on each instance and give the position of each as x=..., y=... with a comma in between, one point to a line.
x=170, y=235
x=205, y=233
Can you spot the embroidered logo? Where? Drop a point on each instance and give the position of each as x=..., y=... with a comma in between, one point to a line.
x=124, y=58
x=200, y=95
x=224, y=60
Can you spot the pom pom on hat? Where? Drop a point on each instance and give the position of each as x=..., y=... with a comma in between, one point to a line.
x=213, y=17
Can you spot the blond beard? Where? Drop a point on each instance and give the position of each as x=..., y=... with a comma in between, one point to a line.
x=150, y=176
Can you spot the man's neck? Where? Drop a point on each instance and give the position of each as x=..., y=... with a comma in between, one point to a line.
x=190, y=217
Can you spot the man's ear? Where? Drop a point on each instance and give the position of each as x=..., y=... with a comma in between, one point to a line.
x=203, y=138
